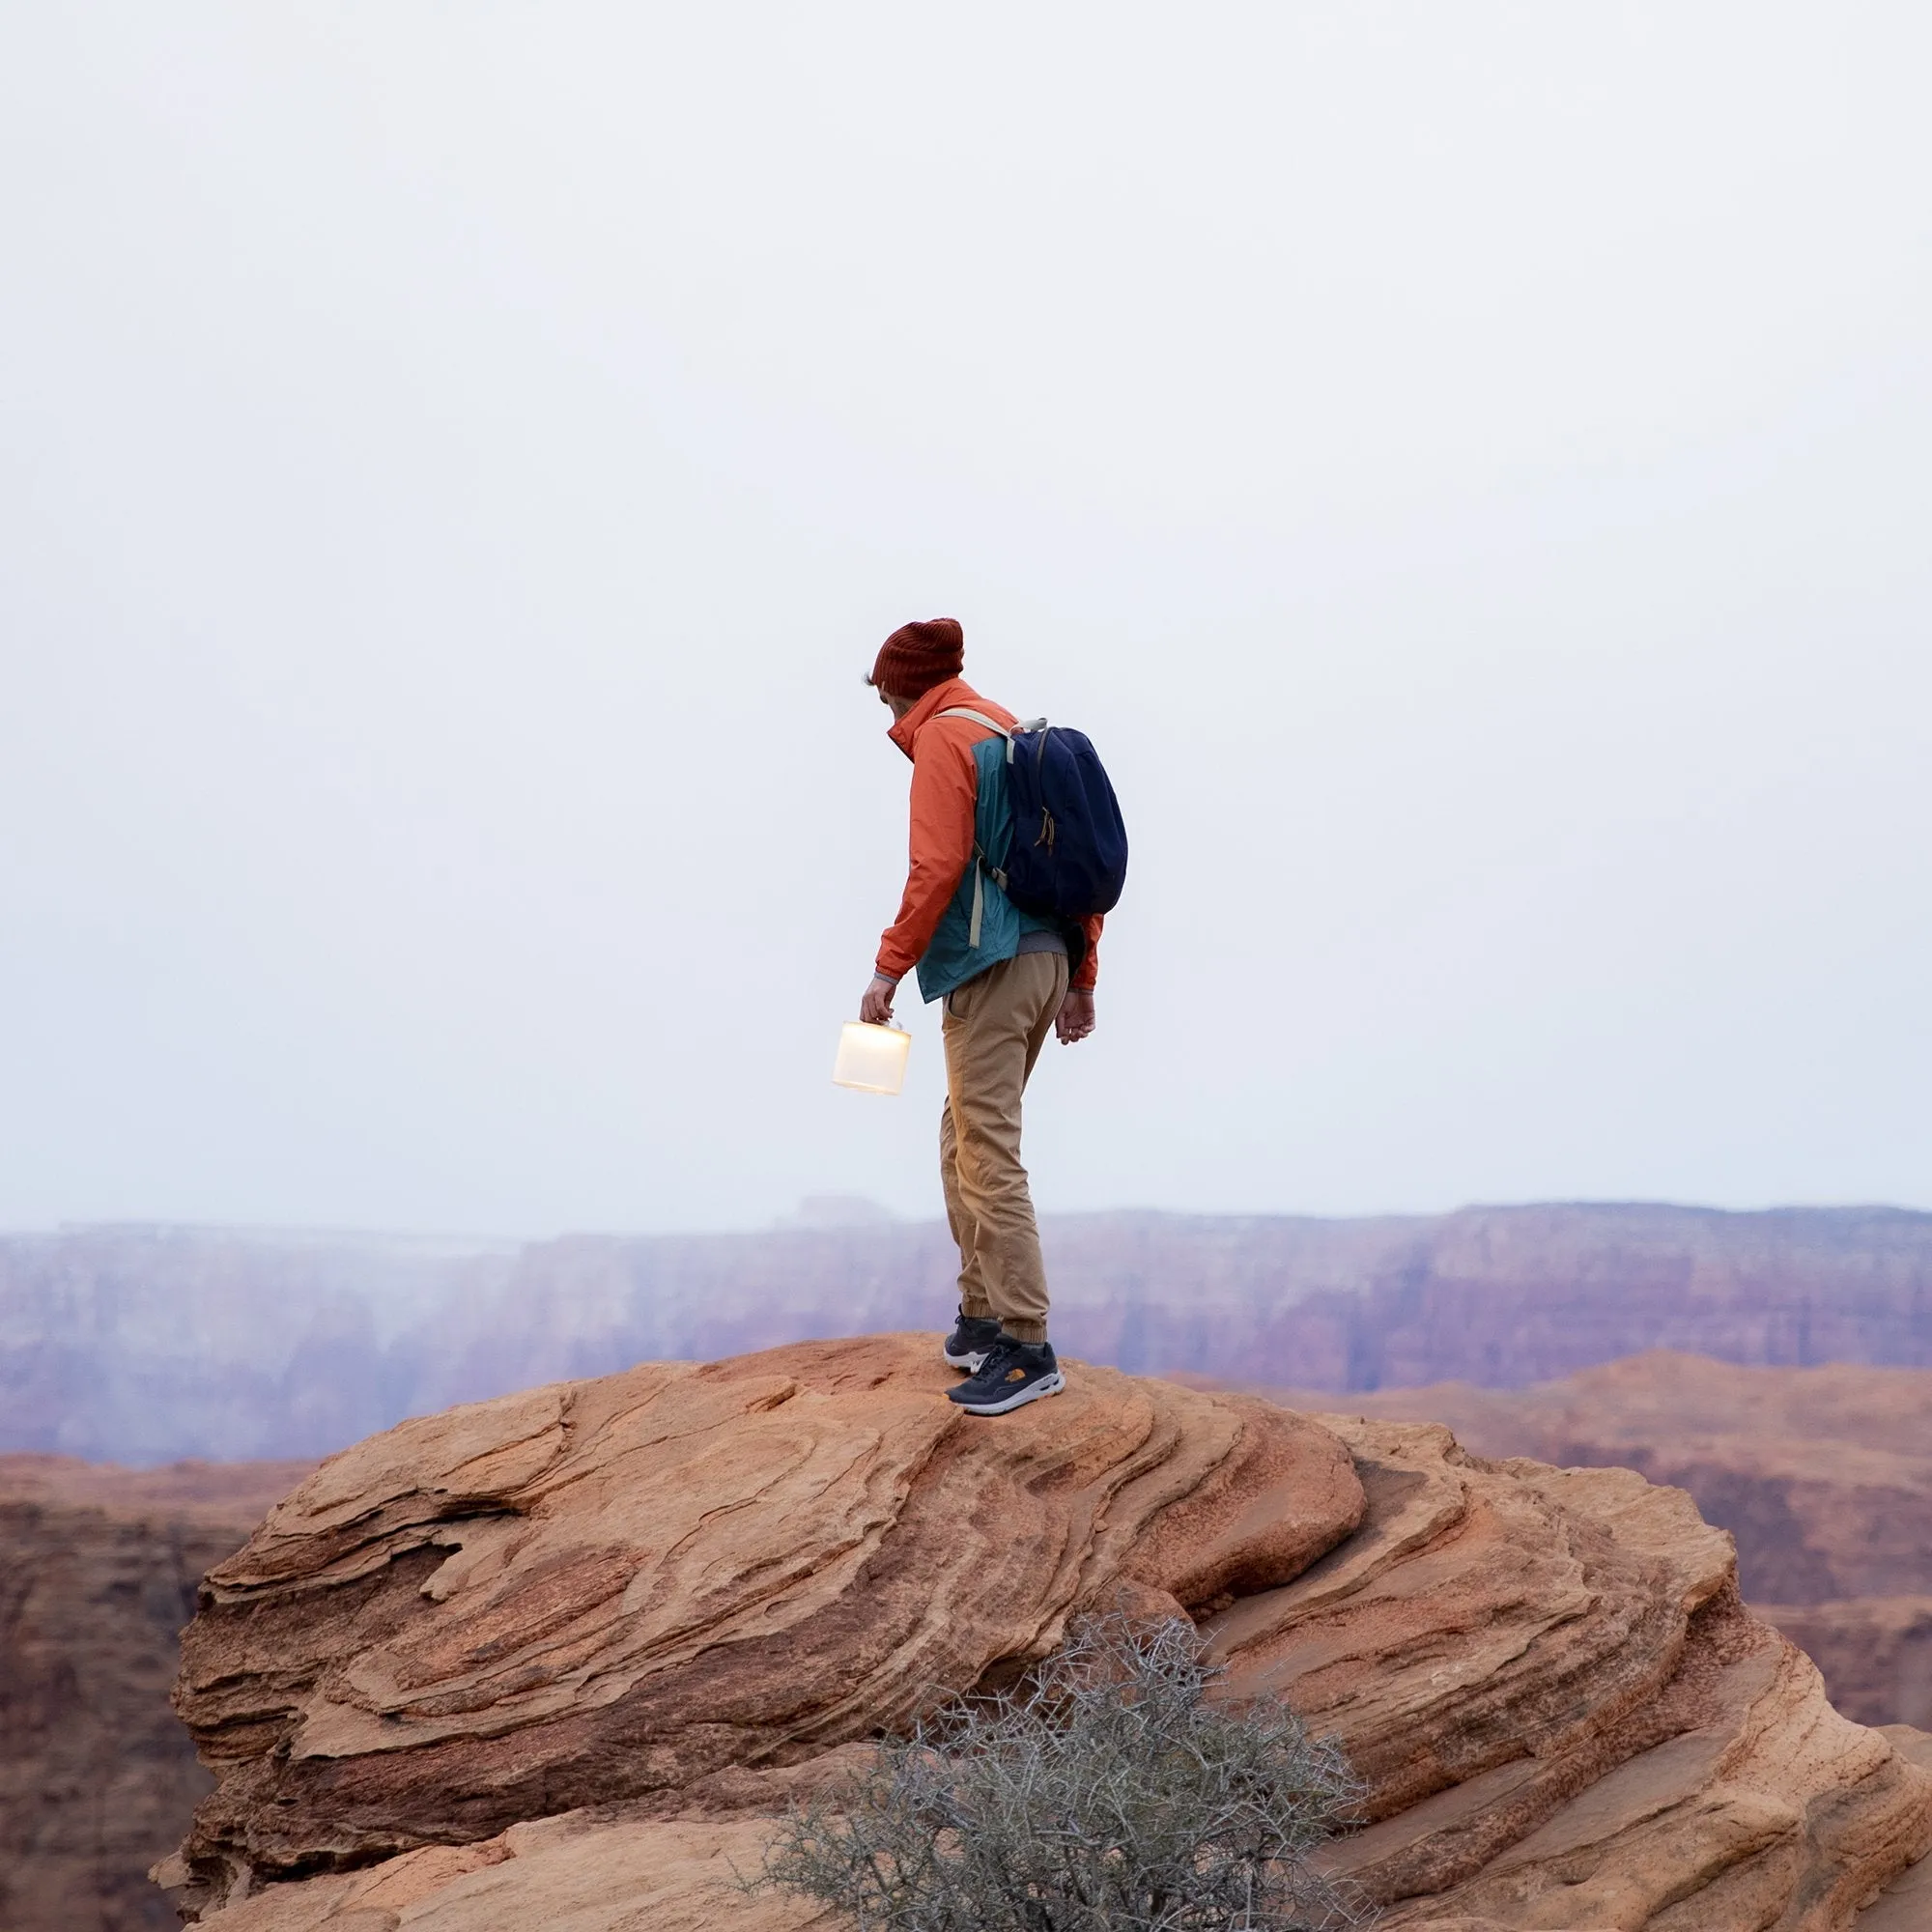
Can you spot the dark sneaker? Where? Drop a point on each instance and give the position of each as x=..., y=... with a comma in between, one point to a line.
x=1013, y=1374
x=971, y=1341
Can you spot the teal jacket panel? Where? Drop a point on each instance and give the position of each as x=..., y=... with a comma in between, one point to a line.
x=951, y=959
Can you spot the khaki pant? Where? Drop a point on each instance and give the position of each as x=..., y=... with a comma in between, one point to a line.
x=994, y=1028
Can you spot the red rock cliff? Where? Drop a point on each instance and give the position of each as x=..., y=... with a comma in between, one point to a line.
x=560, y=1655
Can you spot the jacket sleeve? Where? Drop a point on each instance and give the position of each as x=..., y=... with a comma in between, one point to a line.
x=945, y=792
x=1089, y=975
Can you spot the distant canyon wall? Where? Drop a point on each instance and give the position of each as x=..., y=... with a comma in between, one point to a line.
x=142, y=1345
x=99, y=1569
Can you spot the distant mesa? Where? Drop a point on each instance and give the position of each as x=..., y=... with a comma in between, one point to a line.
x=146, y=1345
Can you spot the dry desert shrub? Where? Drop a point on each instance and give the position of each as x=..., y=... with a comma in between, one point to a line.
x=1106, y=1796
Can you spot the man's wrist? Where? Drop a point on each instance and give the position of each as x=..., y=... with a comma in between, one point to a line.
x=885, y=979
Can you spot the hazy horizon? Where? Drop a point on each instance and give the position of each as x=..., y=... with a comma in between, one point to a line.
x=874, y=1214
x=148, y=1344
x=1465, y=470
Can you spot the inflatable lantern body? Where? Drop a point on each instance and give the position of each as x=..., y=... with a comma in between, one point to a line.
x=871, y=1058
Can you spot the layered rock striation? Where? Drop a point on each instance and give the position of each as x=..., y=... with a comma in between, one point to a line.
x=556, y=1659
x=1823, y=1475
x=648, y=1587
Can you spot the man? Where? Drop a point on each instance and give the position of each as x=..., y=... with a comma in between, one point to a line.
x=1007, y=978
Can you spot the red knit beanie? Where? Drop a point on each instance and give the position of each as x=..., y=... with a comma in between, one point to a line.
x=915, y=657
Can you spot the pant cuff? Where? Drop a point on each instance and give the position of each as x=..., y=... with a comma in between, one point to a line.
x=976, y=1311
x=1025, y=1331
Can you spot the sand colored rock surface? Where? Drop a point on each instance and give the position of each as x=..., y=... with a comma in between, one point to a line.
x=1906, y=1904
x=573, y=1873
x=1823, y=1475
x=556, y=1659
x=1568, y=1718
x=643, y=1587
x=98, y=1574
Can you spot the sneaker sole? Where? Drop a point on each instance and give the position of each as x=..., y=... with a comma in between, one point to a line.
x=1046, y=1386
x=969, y=1365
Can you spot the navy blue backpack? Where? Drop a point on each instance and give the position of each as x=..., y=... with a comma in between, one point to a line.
x=1068, y=856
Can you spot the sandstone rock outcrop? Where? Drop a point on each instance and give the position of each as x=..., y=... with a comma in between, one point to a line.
x=1823, y=1475
x=98, y=1575
x=1906, y=1904
x=499, y=1613
x=556, y=1659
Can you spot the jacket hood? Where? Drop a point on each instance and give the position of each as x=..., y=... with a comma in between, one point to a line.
x=905, y=733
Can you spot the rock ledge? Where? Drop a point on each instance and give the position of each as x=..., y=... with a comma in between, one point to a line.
x=556, y=1659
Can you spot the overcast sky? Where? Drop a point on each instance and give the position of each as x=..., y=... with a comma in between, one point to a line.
x=1465, y=466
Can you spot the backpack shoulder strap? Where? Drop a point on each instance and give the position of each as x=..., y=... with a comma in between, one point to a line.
x=979, y=866
x=977, y=717
x=981, y=717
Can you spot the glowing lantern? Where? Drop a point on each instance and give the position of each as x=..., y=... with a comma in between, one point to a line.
x=871, y=1058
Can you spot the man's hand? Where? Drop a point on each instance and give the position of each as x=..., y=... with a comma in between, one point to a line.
x=876, y=1007
x=1075, y=1020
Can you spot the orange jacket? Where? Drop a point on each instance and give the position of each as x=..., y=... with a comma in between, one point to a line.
x=945, y=791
